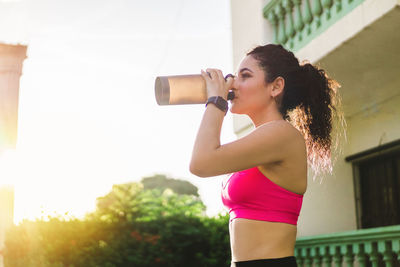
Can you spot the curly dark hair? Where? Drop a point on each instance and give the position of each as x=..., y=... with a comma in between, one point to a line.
x=310, y=102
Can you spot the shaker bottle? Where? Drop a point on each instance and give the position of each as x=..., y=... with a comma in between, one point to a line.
x=183, y=89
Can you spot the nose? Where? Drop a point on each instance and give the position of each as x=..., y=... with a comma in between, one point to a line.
x=234, y=84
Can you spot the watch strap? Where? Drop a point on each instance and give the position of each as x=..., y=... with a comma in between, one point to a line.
x=219, y=102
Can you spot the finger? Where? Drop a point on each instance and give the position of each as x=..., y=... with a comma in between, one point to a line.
x=229, y=76
x=206, y=75
x=212, y=73
x=220, y=75
x=229, y=81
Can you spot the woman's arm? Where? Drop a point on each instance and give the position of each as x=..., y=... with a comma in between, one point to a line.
x=266, y=144
x=207, y=140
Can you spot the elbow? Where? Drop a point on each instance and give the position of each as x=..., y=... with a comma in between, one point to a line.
x=197, y=169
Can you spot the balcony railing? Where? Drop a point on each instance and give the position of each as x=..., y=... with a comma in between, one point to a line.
x=367, y=247
x=297, y=22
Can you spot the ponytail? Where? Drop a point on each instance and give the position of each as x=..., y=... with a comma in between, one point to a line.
x=315, y=116
x=310, y=102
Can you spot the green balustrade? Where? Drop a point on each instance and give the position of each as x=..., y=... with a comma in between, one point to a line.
x=367, y=247
x=297, y=22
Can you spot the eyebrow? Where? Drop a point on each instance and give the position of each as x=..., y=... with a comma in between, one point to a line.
x=244, y=69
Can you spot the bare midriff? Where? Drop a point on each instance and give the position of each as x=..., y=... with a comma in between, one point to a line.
x=251, y=239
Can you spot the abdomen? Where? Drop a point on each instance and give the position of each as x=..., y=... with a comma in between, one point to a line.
x=251, y=239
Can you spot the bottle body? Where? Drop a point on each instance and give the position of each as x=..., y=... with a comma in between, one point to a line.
x=183, y=89
x=180, y=89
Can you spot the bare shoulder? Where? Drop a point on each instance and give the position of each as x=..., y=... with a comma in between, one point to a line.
x=291, y=172
x=289, y=140
x=283, y=130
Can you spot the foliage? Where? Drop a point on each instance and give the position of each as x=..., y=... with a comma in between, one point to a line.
x=161, y=181
x=130, y=227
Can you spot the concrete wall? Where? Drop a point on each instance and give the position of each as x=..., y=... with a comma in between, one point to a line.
x=378, y=125
x=249, y=29
x=329, y=205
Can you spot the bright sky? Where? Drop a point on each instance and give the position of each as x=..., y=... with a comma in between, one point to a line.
x=87, y=112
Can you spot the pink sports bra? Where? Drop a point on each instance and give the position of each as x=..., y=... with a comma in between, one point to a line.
x=249, y=194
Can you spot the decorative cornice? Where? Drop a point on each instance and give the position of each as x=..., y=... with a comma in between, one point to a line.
x=13, y=50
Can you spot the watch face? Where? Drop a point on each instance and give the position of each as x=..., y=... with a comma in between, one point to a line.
x=222, y=103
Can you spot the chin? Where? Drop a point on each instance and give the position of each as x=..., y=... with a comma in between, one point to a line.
x=234, y=109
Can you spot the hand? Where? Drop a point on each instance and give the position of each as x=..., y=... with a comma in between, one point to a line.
x=216, y=84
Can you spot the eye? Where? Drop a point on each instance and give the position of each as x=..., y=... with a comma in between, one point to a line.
x=245, y=75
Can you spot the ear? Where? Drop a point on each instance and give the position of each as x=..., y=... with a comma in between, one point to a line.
x=277, y=86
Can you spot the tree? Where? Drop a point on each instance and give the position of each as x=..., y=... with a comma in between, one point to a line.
x=162, y=182
x=122, y=203
x=130, y=227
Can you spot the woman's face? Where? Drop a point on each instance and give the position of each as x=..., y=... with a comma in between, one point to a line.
x=251, y=92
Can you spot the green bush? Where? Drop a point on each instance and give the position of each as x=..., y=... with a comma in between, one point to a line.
x=130, y=227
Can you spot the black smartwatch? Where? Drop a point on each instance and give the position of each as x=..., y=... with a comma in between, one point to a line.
x=219, y=102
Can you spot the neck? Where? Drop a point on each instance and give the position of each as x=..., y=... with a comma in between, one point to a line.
x=270, y=113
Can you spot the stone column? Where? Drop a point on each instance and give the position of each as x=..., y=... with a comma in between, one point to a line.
x=11, y=59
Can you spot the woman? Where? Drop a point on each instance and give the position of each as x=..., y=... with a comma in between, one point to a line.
x=292, y=107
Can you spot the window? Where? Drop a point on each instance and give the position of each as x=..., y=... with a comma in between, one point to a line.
x=377, y=185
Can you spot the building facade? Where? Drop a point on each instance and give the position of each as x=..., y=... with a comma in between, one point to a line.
x=353, y=215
